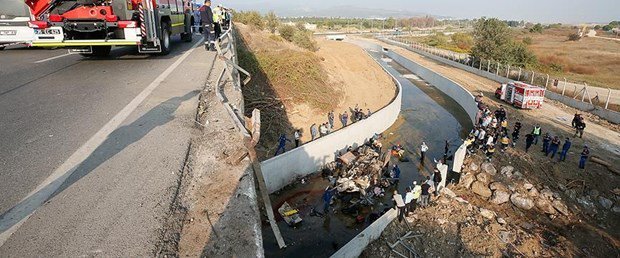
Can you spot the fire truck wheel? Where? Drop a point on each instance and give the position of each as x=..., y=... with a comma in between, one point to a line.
x=186, y=37
x=100, y=51
x=165, y=39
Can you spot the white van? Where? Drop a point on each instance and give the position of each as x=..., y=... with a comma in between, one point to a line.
x=14, y=18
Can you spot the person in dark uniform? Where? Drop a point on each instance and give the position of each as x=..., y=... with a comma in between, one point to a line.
x=206, y=20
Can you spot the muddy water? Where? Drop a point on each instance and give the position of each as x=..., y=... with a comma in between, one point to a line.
x=427, y=115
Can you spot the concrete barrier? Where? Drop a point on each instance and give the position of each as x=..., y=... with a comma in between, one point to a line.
x=282, y=170
x=454, y=90
x=609, y=115
x=356, y=246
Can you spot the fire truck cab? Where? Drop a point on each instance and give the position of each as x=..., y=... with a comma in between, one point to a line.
x=92, y=27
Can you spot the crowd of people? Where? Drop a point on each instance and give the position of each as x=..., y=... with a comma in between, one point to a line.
x=212, y=21
x=325, y=128
x=491, y=129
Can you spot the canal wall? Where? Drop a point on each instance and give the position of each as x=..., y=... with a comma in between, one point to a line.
x=454, y=90
x=356, y=246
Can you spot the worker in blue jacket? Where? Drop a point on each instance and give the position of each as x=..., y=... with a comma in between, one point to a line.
x=565, y=149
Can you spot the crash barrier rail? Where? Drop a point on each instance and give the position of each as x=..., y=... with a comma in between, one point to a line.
x=228, y=53
x=356, y=246
x=454, y=90
x=282, y=170
x=581, y=98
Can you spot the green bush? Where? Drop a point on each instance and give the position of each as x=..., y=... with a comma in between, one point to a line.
x=437, y=39
x=304, y=40
x=463, y=41
x=287, y=32
x=493, y=41
x=251, y=18
x=574, y=37
x=272, y=21
x=538, y=28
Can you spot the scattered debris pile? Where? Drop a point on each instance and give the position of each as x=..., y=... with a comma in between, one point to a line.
x=360, y=169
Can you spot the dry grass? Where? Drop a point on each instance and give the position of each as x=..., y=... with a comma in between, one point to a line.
x=591, y=60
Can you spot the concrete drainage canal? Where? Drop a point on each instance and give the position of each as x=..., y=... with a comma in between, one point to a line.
x=426, y=115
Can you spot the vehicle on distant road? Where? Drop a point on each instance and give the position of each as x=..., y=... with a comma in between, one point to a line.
x=14, y=18
x=92, y=27
x=521, y=95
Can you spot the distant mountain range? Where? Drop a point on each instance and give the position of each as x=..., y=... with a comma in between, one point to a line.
x=348, y=11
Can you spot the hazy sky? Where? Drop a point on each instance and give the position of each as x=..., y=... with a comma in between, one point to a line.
x=547, y=11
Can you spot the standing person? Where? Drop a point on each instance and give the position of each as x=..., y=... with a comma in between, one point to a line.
x=330, y=119
x=505, y=141
x=425, y=193
x=553, y=148
x=217, y=21
x=529, y=140
x=206, y=20
x=584, y=157
x=345, y=119
x=536, y=131
x=565, y=149
x=369, y=113
x=515, y=137
x=581, y=125
x=314, y=131
x=417, y=190
x=408, y=200
x=481, y=136
x=297, y=137
x=576, y=119
x=423, y=150
x=327, y=198
x=546, y=141
x=395, y=174
x=400, y=205
x=490, y=151
x=281, y=144
x=436, y=180
x=504, y=125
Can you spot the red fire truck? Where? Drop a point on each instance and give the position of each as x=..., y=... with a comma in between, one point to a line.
x=521, y=95
x=92, y=27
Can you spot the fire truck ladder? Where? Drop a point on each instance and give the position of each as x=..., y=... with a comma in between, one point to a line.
x=148, y=28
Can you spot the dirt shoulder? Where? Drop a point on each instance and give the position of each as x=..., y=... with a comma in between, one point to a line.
x=295, y=88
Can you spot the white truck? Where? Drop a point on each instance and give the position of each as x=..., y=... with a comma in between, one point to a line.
x=14, y=18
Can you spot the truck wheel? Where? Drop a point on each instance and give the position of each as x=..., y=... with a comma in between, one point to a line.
x=165, y=39
x=186, y=37
x=100, y=51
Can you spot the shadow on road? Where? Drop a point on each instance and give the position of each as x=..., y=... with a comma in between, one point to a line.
x=116, y=142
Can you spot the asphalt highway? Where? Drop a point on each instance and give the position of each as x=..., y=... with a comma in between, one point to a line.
x=91, y=148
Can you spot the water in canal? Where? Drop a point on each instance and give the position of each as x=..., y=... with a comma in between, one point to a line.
x=427, y=115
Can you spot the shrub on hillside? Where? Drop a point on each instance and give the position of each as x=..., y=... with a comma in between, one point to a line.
x=463, y=41
x=538, y=28
x=574, y=37
x=527, y=40
x=252, y=18
x=493, y=41
x=437, y=39
x=304, y=39
x=272, y=21
x=287, y=32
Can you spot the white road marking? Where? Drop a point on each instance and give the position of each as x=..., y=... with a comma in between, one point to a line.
x=52, y=58
x=26, y=207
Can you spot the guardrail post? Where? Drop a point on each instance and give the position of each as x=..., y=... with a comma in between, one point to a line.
x=497, y=71
x=480, y=64
x=489, y=66
x=547, y=83
x=519, y=77
x=532, y=78
x=508, y=72
x=608, y=97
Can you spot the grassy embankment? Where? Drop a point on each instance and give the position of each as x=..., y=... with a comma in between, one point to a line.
x=283, y=75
